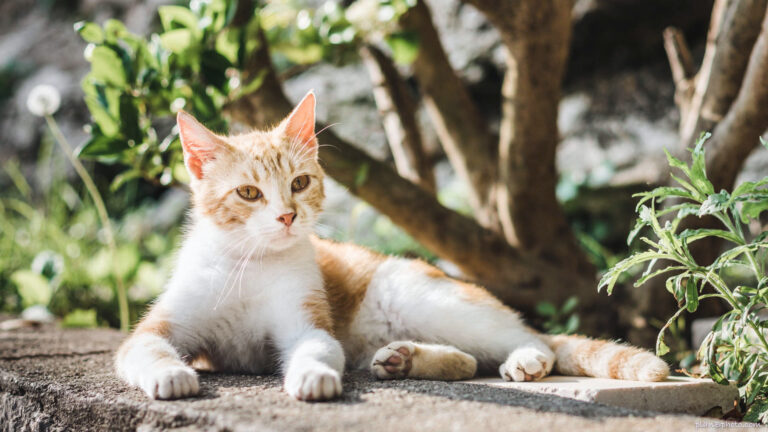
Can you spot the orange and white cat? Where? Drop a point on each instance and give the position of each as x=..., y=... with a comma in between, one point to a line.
x=254, y=291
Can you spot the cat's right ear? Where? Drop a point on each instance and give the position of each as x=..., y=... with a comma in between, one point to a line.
x=200, y=144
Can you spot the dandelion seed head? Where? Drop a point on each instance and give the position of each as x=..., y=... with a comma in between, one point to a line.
x=43, y=100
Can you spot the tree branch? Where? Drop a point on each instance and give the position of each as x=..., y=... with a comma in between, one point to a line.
x=398, y=112
x=681, y=63
x=733, y=30
x=462, y=130
x=737, y=135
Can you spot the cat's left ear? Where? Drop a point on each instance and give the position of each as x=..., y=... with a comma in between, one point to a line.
x=299, y=126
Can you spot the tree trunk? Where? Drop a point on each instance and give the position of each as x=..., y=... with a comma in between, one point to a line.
x=536, y=36
x=398, y=112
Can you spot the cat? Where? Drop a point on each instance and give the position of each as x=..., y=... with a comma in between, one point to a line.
x=255, y=291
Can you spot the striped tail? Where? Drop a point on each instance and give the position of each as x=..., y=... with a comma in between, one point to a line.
x=582, y=356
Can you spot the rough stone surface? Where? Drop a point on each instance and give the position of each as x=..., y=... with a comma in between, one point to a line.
x=676, y=395
x=63, y=380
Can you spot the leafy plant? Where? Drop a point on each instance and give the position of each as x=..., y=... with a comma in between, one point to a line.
x=136, y=84
x=559, y=321
x=736, y=348
x=53, y=251
x=198, y=62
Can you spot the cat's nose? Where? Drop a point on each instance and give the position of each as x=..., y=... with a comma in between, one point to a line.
x=287, y=218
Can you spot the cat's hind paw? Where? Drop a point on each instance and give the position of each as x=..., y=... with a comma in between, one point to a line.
x=394, y=361
x=527, y=364
x=170, y=382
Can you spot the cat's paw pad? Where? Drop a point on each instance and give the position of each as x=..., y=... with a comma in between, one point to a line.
x=527, y=364
x=171, y=382
x=315, y=384
x=393, y=361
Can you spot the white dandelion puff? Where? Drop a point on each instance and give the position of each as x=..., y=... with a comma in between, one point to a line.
x=43, y=100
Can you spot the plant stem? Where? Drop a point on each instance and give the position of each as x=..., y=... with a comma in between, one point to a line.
x=101, y=209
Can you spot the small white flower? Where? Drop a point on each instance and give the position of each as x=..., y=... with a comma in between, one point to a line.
x=43, y=100
x=178, y=104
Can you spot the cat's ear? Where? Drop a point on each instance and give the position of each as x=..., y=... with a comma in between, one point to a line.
x=200, y=144
x=299, y=126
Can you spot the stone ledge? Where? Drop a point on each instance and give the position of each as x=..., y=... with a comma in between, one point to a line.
x=53, y=379
x=676, y=395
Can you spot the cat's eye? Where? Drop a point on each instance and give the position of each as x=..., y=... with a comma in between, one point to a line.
x=249, y=193
x=300, y=183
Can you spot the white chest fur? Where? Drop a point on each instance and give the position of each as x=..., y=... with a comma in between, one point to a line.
x=231, y=302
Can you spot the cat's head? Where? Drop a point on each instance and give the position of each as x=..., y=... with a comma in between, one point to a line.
x=263, y=186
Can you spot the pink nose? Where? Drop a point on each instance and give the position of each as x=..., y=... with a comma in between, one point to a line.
x=287, y=218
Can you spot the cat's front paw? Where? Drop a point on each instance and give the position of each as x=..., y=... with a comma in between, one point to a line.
x=170, y=382
x=314, y=384
x=527, y=364
x=393, y=361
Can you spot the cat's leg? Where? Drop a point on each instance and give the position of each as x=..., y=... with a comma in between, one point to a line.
x=313, y=365
x=419, y=302
x=149, y=361
x=405, y=359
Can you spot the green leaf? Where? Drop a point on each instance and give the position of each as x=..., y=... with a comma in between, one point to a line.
x=80, y=318
x=570, y=305
x=698, y=172
x=751, y=210
x=650, y=275
x=610, y=278
x=213, y=67
x=170, y=15
x=662, y=193
x=106, y=66
x=691, y=295
x=677, y=163
x=114, y=30
x=691, y=235
x=177, y=41
x=546, y=309
x=129, y=115
x=90, y=32
x=572, y=325
x=101, y=145
x=639, y=225
x=32, y=287
x=749, y=188
x=404, y=46
x=715, y=203
x=764, y=142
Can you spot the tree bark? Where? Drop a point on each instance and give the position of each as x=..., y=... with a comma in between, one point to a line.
x=535, y=35
x=462, y=130
x=398, y=112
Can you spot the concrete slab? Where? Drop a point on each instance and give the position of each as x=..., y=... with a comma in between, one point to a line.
x=52, y=379
x=676, y=395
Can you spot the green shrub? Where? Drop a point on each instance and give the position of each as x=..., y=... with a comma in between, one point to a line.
x=736, y=349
